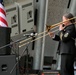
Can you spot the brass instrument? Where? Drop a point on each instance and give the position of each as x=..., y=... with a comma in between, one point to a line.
x=45, y=32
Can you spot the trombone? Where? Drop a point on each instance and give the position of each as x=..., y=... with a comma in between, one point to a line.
x=45, y=33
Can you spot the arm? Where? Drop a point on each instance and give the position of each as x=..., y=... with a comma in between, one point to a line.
x=54, y=37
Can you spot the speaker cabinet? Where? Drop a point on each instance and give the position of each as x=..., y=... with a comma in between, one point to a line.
x=4, y=40
x=7, y=63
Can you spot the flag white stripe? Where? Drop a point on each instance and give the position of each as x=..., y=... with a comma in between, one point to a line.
x=2, y=15
x=3, y=21
x=1, y=6
x=2, y=24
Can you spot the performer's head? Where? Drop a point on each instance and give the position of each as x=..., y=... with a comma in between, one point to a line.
x=66, y=17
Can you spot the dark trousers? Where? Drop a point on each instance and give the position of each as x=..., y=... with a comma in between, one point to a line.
x=67, y=62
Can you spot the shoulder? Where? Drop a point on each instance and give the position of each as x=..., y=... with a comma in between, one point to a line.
x=71, y=26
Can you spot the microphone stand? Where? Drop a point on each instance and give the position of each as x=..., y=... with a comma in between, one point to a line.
x=27, y=57
x=25, y=49
x=12, y=43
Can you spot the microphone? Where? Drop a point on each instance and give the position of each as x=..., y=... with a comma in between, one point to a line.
x=31, y=35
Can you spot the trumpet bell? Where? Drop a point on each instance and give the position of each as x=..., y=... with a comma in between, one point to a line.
x=48, y=28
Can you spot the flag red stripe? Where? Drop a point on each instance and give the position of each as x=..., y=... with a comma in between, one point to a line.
x=3, y=16
x=2, y=11
x=3, y=20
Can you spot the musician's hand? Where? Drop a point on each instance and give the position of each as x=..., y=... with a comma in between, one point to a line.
x=51, y=34
x=61, y=27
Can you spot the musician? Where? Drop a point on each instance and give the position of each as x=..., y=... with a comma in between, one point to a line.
x=66, y=47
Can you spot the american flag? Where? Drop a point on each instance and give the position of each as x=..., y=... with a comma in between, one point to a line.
x=3, y=21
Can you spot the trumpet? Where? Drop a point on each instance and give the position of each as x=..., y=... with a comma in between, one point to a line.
x=45, y=33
